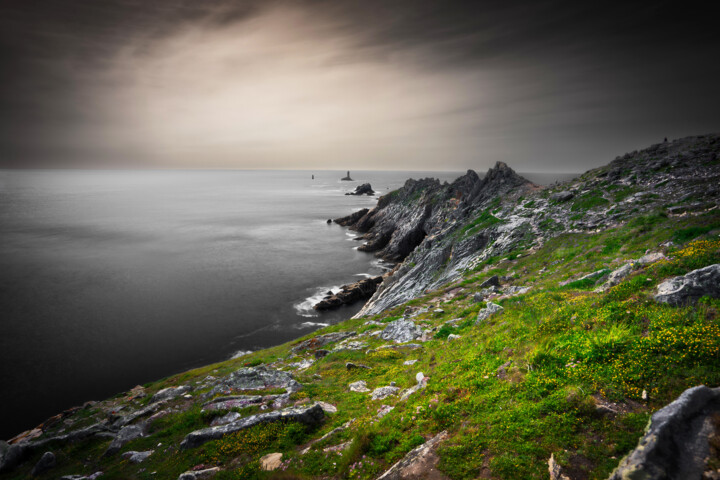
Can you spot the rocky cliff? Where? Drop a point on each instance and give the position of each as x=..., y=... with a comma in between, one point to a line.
x=440, y=230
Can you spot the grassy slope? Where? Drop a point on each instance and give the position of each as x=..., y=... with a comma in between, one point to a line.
x=571, y=350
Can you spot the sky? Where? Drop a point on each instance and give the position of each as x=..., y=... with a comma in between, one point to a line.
x=545, y=86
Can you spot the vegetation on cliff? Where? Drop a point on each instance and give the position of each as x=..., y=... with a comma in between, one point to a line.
x=548, y=341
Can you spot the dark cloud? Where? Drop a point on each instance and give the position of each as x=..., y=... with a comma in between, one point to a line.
x=395, y=84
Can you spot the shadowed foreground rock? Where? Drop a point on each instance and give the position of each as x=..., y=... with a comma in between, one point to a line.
x=690, y=287
x=676, y=444
x=418, y=463
x=309, y=416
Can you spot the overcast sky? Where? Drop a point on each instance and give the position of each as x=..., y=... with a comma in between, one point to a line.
x=341, y=84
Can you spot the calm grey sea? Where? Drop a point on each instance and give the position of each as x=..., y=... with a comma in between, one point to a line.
x=109, y=279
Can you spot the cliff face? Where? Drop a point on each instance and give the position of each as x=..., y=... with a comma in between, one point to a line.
x=440, y=230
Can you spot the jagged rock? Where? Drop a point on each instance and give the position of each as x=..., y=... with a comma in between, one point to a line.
x=237, y=401
x=126, y=434
x=563, y=196
x=46, y=462
x=254, y=378
x=383, y=411
x=332, y=432
x=123, y=420
x=381, y=393
x=271, y=461
x=493, y=281
x=321, y=341
x=616, y=276
x=327, y=407
x=364, y=189
x=490, y=309
x=419, y=463
x=310, y=415
x=350, y=345
x=352, y=218
x=349, y=294
x=199, y=474
x=401, y=331
x=676, y=442
x=596, y=275
x=690, y=287
x=170, y=393
x=359, y=386
x=137, y=457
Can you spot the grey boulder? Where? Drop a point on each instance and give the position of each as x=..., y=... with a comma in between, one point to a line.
x=677, y=440
x=126, y=434
x=690, y=287
x=490, y=309
x=137, y=457
x=419, y=463
x=170, y=393
x=401, y=331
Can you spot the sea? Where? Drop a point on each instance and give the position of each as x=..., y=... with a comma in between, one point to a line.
x=110, y=279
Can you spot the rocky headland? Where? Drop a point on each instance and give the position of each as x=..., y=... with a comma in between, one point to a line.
x=568, y=332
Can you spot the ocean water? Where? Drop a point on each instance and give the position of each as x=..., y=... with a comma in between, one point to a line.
x=109, y=279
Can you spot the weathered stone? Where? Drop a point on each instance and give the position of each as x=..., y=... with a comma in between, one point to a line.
x=381, y=393
x=651, y=258
x=271, y=461
x=170, y=393
x=199, y=474
x=452, y=337
x=126, y=434
x=332, y=432
x=617, y=276
x=690, y=287
x=419, y=463
x=409, y=362
x=225, y=419
x=46, y=462
x=676, y=442
x=359, y=386
x=327, y=407
x=384, y=410
x=255, y=378
x=137, y=457
x=401, y=331
x=555, y=470
x=490, y=309
x=351, y=293
x=321, y=340
x=310, y=415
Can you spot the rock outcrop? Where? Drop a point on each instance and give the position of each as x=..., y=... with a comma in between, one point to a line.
x=676, y=443
x=364, y=189
x=690, y=287
x=311, y=415
x=401, y=331
x=419, y=463
x=350, y=294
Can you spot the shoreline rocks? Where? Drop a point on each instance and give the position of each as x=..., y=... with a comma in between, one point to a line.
x=364, y=189
x=349, y=294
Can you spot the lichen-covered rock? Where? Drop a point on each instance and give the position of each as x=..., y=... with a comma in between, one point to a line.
x=490, y=309
x=126, y=434
x=170, y=393
x=359, y=386
x=310, y=415
x=401, y=331
x=254, y=378
x=616, y=276
x=676, y=443
x=419, y=463
x=381, y=393
x=690, y=287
